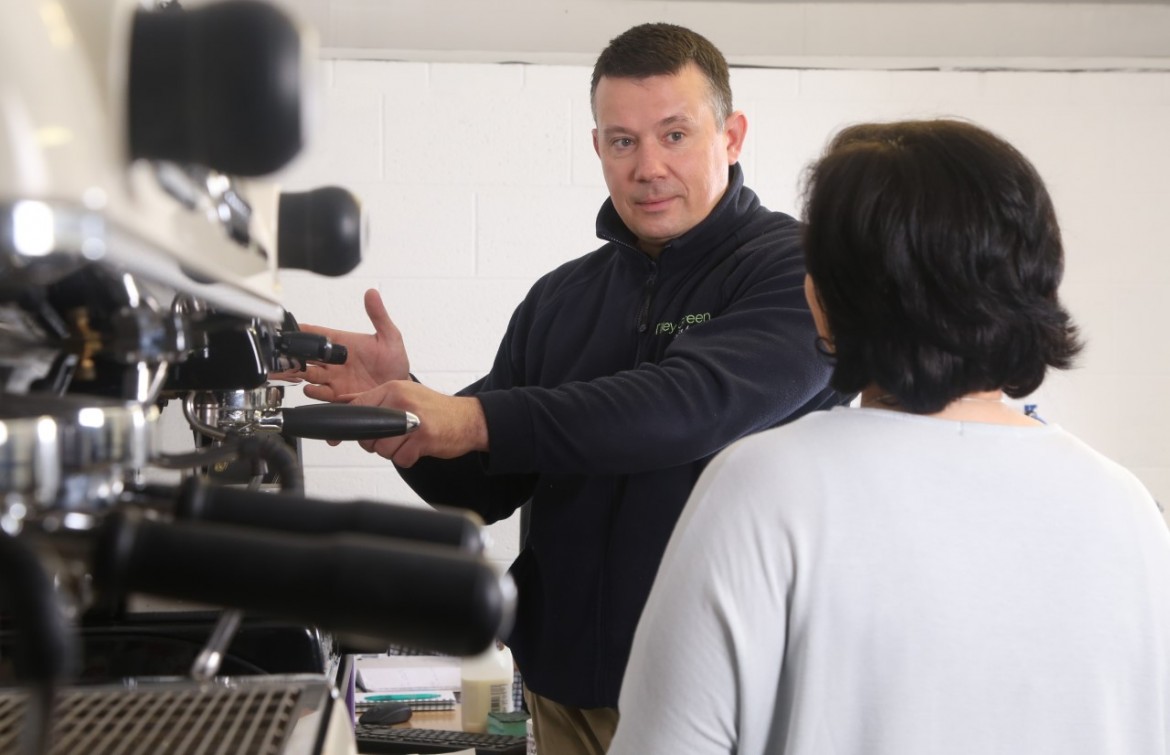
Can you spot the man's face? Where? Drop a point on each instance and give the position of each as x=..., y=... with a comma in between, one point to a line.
x=664, y=156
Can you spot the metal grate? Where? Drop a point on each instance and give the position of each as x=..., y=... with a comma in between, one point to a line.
x=175, y=720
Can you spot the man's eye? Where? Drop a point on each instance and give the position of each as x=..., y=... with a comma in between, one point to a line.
x=622, y=142
x=675, y=136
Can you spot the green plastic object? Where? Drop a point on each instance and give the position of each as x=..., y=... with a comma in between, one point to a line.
x=507, y=723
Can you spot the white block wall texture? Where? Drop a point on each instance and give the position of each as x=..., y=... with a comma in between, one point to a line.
x=478, y=178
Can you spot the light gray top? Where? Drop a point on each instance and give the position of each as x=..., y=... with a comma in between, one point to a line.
x=869, y=582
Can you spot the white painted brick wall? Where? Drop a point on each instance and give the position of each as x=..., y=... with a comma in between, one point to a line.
x=479, y=178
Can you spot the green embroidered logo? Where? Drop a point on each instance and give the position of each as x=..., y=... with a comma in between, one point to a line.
x=684, y=322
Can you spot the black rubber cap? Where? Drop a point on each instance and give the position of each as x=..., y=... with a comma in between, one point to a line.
x=320, y=231
x=221, y=85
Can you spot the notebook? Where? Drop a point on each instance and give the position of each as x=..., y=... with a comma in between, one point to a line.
x=433, y=700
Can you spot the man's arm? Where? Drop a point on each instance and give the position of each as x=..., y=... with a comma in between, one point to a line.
x=750, y=367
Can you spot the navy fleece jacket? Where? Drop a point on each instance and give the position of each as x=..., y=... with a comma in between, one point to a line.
x=617, y=380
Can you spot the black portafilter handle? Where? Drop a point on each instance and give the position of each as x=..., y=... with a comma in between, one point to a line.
x=454, y=528
x=423, y=596
x=47, y=649
x=322, y=231
x=219, y=85
x=345, y=422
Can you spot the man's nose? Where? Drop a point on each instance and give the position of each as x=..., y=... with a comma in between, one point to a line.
x=651, y=162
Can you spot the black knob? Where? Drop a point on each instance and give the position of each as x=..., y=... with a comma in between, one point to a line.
x=322, y=231
x=220, y=85
x=311, y=347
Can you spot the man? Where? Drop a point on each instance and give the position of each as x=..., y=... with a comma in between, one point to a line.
x=620, y=375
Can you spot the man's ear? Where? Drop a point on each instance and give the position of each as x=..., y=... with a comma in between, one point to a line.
x=813, y=297
x=595, y=147
x=735, y=131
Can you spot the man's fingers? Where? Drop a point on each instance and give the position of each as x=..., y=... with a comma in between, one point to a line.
x=388, y=448
x=377, y=313
x=319, y=392
x=315, y=373
x=401, y=460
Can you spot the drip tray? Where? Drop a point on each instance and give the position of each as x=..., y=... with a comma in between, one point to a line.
x=176, y=719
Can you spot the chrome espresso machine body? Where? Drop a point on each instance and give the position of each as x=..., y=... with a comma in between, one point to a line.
x=140, y=243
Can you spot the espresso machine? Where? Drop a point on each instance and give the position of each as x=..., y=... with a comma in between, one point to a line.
x=141, y=240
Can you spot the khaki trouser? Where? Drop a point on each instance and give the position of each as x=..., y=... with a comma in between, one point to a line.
x=562, y=730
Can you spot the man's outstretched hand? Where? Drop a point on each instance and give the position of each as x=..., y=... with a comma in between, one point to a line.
x=377, y=373
x=449, y=426
x=373, y=358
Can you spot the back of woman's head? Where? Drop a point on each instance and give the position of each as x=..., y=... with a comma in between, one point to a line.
x=936, y=255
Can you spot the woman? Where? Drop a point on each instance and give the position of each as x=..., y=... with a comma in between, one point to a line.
x=933, y=571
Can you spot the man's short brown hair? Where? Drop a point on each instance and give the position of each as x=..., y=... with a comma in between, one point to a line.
x=661, y=50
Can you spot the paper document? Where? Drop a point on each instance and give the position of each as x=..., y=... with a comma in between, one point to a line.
x=407, y=673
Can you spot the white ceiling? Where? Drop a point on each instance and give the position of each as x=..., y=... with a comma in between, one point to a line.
x=862, y=33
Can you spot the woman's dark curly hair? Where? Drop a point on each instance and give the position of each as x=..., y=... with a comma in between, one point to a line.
x=936, y=256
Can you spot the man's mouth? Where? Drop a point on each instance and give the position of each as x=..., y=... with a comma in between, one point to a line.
x=653, y=203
